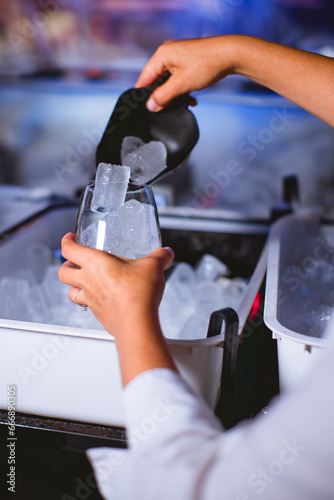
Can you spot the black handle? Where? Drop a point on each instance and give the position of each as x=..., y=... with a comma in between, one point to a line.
x=291, y=189
x=290, y=196
x=225, y=408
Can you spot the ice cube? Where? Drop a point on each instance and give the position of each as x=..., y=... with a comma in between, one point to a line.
x=111, y=184
x=37, y=307
x=210, y=268
x=175, y=312
x=310, y=308
x=94, y=235
x=117, y=246
x=182, y=274
x=196, y=327
x=182, y=281
x=170, y=327
x=61, y=314
x=36, y=258
x=146, y=162
x=207, y=297
x=114, y=239
x=26, y=274
x=88, y=236
x=130, y=144
x=54, y=290
x=106, y=172
x=232, y=291
x=13, y=293
x=69, y=314
x=178, y=302
x=140, y=228
x=106, y=234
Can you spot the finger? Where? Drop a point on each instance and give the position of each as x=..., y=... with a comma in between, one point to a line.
x=166, y=93
x=152, y=104
x=158, y=65
x=165, y=256
x=65, y=243
x=151, y=73
x=77, y=254
x=193, y=101
x=168, y=257
x=69, y=274
x=77, y=296
x=70, y=264
x=69, y=236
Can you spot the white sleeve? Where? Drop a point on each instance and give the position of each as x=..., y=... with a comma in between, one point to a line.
x=179, y=450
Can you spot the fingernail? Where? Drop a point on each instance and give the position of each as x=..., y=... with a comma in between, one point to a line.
x=151, y=105
x=169, y=250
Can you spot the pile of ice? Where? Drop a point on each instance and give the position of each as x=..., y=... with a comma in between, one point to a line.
x=310, y=308
x=146, y=160
x=125, y=228
x=34, y=293
x=192, y=294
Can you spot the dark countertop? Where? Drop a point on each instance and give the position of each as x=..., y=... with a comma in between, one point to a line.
x=50, y=460
x=78, y=435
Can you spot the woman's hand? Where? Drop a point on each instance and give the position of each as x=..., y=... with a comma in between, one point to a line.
x=113, y=287
x=194, y=65
x=305, y=78
x=124, y=295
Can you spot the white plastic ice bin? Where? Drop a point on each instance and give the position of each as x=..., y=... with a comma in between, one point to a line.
x=73, y=373
x=292, y=244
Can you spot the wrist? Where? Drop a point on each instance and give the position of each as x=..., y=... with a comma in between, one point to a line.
x=141, y=346
x=236, y=53
x=134, y=324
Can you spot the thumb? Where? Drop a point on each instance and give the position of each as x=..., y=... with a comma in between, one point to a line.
x=165, y=94
x=165, y=255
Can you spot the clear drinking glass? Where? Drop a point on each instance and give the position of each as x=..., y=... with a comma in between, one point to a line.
x=130, y=231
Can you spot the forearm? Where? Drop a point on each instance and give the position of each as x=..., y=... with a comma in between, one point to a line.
x=305, y=78
x=124, y=295
x=141, y=346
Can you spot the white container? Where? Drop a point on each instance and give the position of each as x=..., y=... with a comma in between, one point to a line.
x=295, y=242
x=73, y=373
x=18, y=203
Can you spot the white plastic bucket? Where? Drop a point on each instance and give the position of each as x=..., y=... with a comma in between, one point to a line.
x=293, y=241
x=73, y=373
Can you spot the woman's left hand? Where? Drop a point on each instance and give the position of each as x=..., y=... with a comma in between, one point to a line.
x=114, y=288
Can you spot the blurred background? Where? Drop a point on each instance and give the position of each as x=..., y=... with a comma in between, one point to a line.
x=64, y=64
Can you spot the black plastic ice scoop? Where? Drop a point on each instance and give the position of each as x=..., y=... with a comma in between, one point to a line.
x=175, y=126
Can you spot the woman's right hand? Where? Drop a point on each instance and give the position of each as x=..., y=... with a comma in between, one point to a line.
x=305, y=78
x=193, y=64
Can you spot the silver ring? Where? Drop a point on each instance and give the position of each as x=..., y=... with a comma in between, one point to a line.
x=84, y=307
